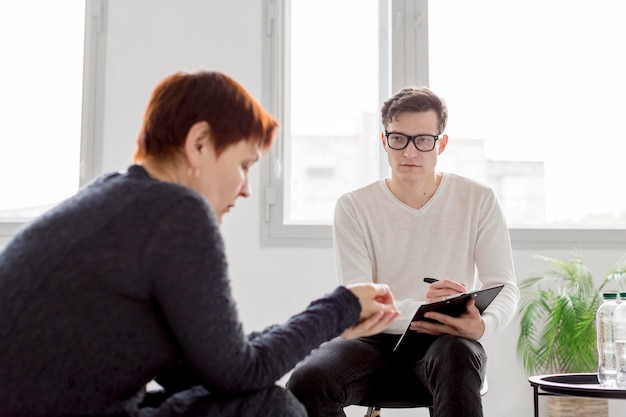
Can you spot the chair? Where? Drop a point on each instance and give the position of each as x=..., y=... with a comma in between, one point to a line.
x=374, y=407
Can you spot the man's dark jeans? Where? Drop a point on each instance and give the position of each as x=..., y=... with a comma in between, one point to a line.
x=447, y=371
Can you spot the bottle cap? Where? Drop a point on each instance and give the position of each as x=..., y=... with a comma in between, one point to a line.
x=609, y=295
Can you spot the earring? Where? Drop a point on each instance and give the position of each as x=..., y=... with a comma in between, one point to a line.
x=193, y=172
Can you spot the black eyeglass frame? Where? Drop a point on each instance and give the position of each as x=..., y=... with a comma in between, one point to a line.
x=412, y=139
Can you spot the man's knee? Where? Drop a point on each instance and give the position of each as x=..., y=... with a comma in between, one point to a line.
x=457, y=346
x=457, y=353
x=323, y=366
x=306, y=378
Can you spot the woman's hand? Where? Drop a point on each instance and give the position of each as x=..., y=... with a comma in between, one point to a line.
x=378, y=310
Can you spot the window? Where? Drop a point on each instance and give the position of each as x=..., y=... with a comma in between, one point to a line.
x=48, y=139
x=537, y=89
x=534, y=92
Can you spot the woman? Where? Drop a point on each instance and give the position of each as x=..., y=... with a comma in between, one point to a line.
x=127, y=280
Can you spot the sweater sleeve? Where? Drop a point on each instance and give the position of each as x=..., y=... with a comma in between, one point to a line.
x=186, y=263
x=494, y=263
x=354, y=263
x=355, y=255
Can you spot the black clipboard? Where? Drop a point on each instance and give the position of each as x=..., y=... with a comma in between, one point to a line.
x=453, y=306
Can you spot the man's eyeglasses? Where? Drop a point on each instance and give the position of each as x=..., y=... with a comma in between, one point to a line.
x=399, y=141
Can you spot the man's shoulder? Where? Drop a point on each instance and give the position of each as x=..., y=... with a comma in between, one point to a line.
x=365, y=191
x=362, y=199
x=467, y=183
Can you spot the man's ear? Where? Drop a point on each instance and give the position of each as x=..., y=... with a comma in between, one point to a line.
x=441, y=146
x=197, y=140
x=383, y=141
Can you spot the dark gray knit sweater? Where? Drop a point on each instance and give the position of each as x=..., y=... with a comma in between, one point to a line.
x=121, y=281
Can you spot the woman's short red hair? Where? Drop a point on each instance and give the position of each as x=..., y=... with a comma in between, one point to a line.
x=183, y=99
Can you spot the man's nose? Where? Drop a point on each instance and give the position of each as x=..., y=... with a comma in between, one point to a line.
x=410, y=151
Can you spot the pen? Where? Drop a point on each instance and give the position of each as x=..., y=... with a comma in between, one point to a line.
x=430, y=280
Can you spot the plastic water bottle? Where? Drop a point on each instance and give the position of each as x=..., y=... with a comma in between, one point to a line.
x=619, y=323
x=607, y=367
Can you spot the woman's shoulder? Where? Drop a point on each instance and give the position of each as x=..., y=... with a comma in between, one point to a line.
x=138, y=178
x=135, y=190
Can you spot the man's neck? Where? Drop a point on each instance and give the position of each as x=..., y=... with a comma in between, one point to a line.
x=414, y=194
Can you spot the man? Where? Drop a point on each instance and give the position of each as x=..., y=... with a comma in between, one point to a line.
x=418, y=223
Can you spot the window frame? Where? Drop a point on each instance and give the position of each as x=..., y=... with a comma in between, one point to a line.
x=90, y=164
x=273, y=231
x=408, y=54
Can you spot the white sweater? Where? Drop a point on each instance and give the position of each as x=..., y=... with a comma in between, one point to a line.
x=460, y=234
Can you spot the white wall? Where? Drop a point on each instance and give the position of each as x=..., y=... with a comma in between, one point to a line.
x=149, y=39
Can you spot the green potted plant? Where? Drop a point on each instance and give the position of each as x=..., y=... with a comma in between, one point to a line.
x=557, y=324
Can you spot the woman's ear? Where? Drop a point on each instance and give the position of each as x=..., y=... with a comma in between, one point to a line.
x=197, y=141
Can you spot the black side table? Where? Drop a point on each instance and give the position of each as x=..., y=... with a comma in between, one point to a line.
x=575, y=385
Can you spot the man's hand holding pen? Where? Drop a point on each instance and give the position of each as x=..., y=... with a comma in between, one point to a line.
x=442, y=289
x=468, y=325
